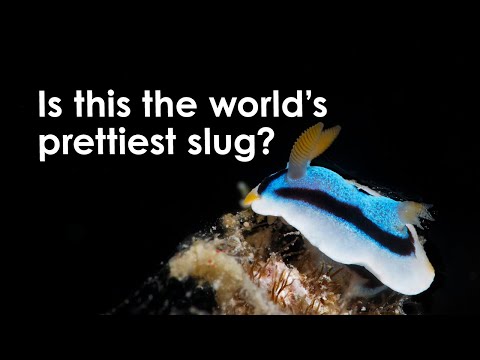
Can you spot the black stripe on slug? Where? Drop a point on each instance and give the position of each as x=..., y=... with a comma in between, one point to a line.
x=263, y=185
x=353, y=215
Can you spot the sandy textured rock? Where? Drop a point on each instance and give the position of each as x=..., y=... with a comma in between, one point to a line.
x=252, y=264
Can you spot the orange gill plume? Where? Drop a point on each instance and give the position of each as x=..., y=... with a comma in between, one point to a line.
x=313, y=142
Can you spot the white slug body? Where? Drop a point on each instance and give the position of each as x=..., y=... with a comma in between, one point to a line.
x=349, y=224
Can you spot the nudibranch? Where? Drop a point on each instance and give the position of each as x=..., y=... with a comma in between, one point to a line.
x=348, y=222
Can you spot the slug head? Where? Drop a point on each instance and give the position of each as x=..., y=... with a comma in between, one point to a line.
x=313, y=142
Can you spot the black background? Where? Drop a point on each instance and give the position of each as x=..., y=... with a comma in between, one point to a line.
x=103, y=224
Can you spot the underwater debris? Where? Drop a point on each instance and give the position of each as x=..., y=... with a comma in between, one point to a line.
x=252, y=264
